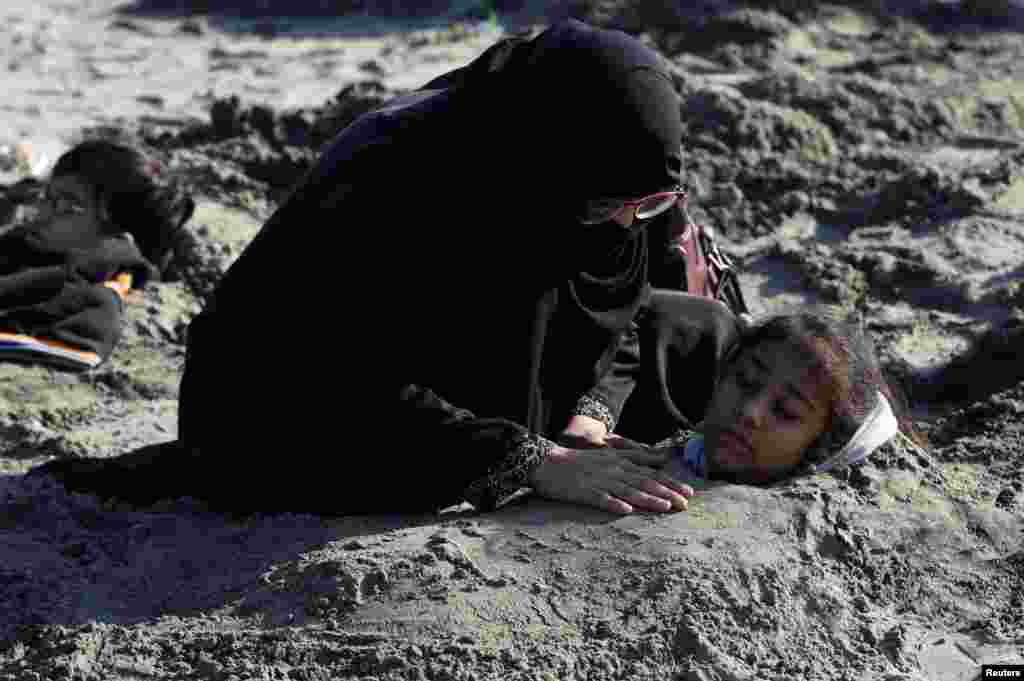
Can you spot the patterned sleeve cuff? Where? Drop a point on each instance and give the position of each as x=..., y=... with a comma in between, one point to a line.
x=509, y=476
x=588, y=405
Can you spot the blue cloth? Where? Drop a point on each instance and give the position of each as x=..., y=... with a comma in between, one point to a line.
x=687, y=462
x=693, y=454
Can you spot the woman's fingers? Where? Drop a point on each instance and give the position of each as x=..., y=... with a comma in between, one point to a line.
x=655, y=458
x=638, y=498
x=619, y=482
x=609, y=503
x=655, y=488
x=647, y=489
x=672, y=483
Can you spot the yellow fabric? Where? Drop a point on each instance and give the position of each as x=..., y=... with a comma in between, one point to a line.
x=121, y=284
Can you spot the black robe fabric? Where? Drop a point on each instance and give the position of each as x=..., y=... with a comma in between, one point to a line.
x=685, y=341
x=58, y=293
x=427, y=297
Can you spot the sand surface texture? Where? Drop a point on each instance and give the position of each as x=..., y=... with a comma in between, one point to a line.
x=873, y=161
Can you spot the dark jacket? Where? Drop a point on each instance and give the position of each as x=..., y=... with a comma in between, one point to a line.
x=58, y=293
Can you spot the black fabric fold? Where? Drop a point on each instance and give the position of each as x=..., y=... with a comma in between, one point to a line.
x=58, y=294
x=684, y=341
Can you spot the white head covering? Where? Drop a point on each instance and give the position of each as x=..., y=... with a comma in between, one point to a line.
x=878, y=428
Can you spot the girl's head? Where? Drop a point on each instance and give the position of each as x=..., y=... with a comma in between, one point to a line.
x=795, y=390
x=101, y=187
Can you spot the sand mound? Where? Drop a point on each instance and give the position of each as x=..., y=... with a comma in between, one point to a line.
x=909, y=568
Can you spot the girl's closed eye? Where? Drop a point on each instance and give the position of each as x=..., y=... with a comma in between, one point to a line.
x=814, y=377
x=64, y=205
x=785, y=414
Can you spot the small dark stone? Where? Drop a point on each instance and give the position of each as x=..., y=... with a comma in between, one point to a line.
x=263, y=121
x=225, y=117
x=1006, y=498
x=153, y=100
x=192, y=27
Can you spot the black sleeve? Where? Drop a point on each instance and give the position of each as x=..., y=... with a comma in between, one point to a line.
x=60, y=294
x=684, y=342
x=605, y=400
x=440, y=456
x=88, y=316
x=488, y=459
x=44, y=303
x=31, y=286
x=429, y=455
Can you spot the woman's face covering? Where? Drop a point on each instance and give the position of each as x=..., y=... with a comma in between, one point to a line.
x=70, y=214
x=574, y=74
x=769, y=407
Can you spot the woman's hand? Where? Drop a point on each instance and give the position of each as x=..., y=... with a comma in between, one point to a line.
x=583, y=432
x=619, y=482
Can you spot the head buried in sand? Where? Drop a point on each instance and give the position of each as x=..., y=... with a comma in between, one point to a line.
x=100, y=187
x=800, y=393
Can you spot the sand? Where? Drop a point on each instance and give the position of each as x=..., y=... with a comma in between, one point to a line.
x=873, y=162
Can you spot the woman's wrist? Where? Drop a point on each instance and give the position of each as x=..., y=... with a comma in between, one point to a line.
x=594, y=409
x=513, y=473
x=555, y=451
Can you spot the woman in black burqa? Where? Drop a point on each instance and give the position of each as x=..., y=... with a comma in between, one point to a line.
x=431, y=307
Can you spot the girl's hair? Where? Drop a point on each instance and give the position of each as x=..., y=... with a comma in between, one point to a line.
x=140, y=196
x=848, y=363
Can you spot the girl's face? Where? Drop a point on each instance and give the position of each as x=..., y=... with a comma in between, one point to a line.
x=770, y=405
x=71, y=214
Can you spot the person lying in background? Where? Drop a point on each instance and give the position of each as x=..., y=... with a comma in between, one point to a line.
x=105, y=223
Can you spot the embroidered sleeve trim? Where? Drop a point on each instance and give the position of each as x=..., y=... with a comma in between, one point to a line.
x=591, y=406
x=677, y=439
x=512, y=474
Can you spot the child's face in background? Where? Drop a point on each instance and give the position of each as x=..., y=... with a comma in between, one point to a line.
x=71, y=214
x=770, y=405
